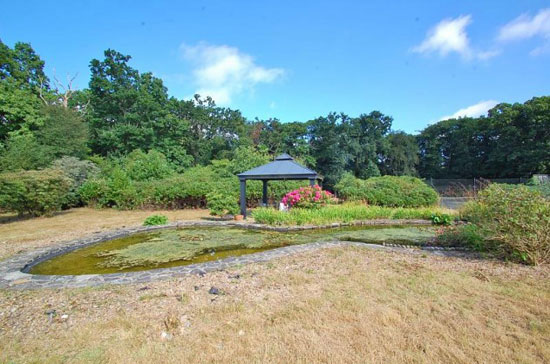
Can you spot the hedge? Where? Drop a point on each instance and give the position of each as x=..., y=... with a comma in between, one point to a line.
x=36, y=193
x=389, y=191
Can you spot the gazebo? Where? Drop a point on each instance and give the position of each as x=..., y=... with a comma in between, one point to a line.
x=284, y=167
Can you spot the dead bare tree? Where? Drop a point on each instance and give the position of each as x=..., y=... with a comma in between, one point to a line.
x=40, y=89
x=65, y=91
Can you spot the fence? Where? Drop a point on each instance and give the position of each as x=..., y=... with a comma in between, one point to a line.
x=467, y=187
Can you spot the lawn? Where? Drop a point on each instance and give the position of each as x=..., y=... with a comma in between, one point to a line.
x=327, y=306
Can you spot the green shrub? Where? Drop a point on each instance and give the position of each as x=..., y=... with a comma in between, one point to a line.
x=116, y=191
x=389, y=191
x=24, y=152
x=78, y=171
x=34, y=192
x=514, y=220
x=221, y=204
x=467, y=236
x=122, y=191
x=155, y=220
x=147, y=180
x=140, y=166
x=441, y=219
x=344, y=213
x=93, y=192
x=351, y=188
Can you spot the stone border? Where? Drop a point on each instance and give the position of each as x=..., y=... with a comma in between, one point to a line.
x=14, y=270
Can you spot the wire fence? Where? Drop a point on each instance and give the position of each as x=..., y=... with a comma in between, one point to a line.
x=467, y=187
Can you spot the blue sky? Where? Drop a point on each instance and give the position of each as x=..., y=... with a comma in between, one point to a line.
x=417, y=61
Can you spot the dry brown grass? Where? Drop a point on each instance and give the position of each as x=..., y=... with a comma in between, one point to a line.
x=330, y=306
x=22, y=234
x=340, y=305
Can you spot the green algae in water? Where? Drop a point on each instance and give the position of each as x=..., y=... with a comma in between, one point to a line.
x=176, y=247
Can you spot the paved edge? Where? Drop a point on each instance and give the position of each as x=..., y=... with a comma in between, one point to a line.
x=14, y=271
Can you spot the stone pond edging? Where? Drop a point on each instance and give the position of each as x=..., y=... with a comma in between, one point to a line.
x=14, y=271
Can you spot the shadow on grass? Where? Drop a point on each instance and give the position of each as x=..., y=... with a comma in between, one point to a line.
x=7, y=218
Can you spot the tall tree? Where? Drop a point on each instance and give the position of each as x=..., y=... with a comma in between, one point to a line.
x=22, y=82
x=364, y=140
x=64, y=133
x=328, y=147
x=400, y=156
x=521, y=138
x=278, y=137
x=512, y=141
x=129, y=111
x=22, y=66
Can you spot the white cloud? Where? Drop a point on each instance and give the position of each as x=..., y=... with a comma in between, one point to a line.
x=473, y=111
x=223, y=72
x=524, y=27
x=448, y=36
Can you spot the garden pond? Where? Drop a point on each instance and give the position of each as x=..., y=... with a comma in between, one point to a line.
x=182, y=246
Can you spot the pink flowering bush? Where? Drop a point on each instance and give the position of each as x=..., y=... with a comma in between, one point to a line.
x=308, y=197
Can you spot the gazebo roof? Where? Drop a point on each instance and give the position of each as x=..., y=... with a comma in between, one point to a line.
x=283, y=167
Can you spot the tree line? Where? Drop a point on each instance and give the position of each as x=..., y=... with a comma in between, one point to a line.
x=123, y=110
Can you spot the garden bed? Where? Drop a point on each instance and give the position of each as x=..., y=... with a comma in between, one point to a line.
x=345, y=213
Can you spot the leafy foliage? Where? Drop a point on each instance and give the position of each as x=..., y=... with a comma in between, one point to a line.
x=33, y=192
x=344, y=213
x=221, y=204
x=441, y=219
x=467, y=236
x=514, y=220
x=63, y=133
x=157, y=151
x=400, y=156
x=391, y=191
x=512, y=141
x=154, y=220
x=78, y=171
x=24, y=152
x=142, y=166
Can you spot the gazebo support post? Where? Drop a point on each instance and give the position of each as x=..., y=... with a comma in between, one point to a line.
x=312, y=182
x=243, y=197
x=264, y=192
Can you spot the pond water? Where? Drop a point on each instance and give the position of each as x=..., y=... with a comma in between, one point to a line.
x=183, y=246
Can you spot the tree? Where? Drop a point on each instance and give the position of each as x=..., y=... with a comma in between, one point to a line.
x=512, y=141
x=400, y=156
x=521, y=134
x=23, y=152
x=22, y=81
x=278, y=137
x=212, y=132
x=64, y=133
x=328, y=147
x=22, y=66
x=20, y=110
x=364, y=140
x=120, y=120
